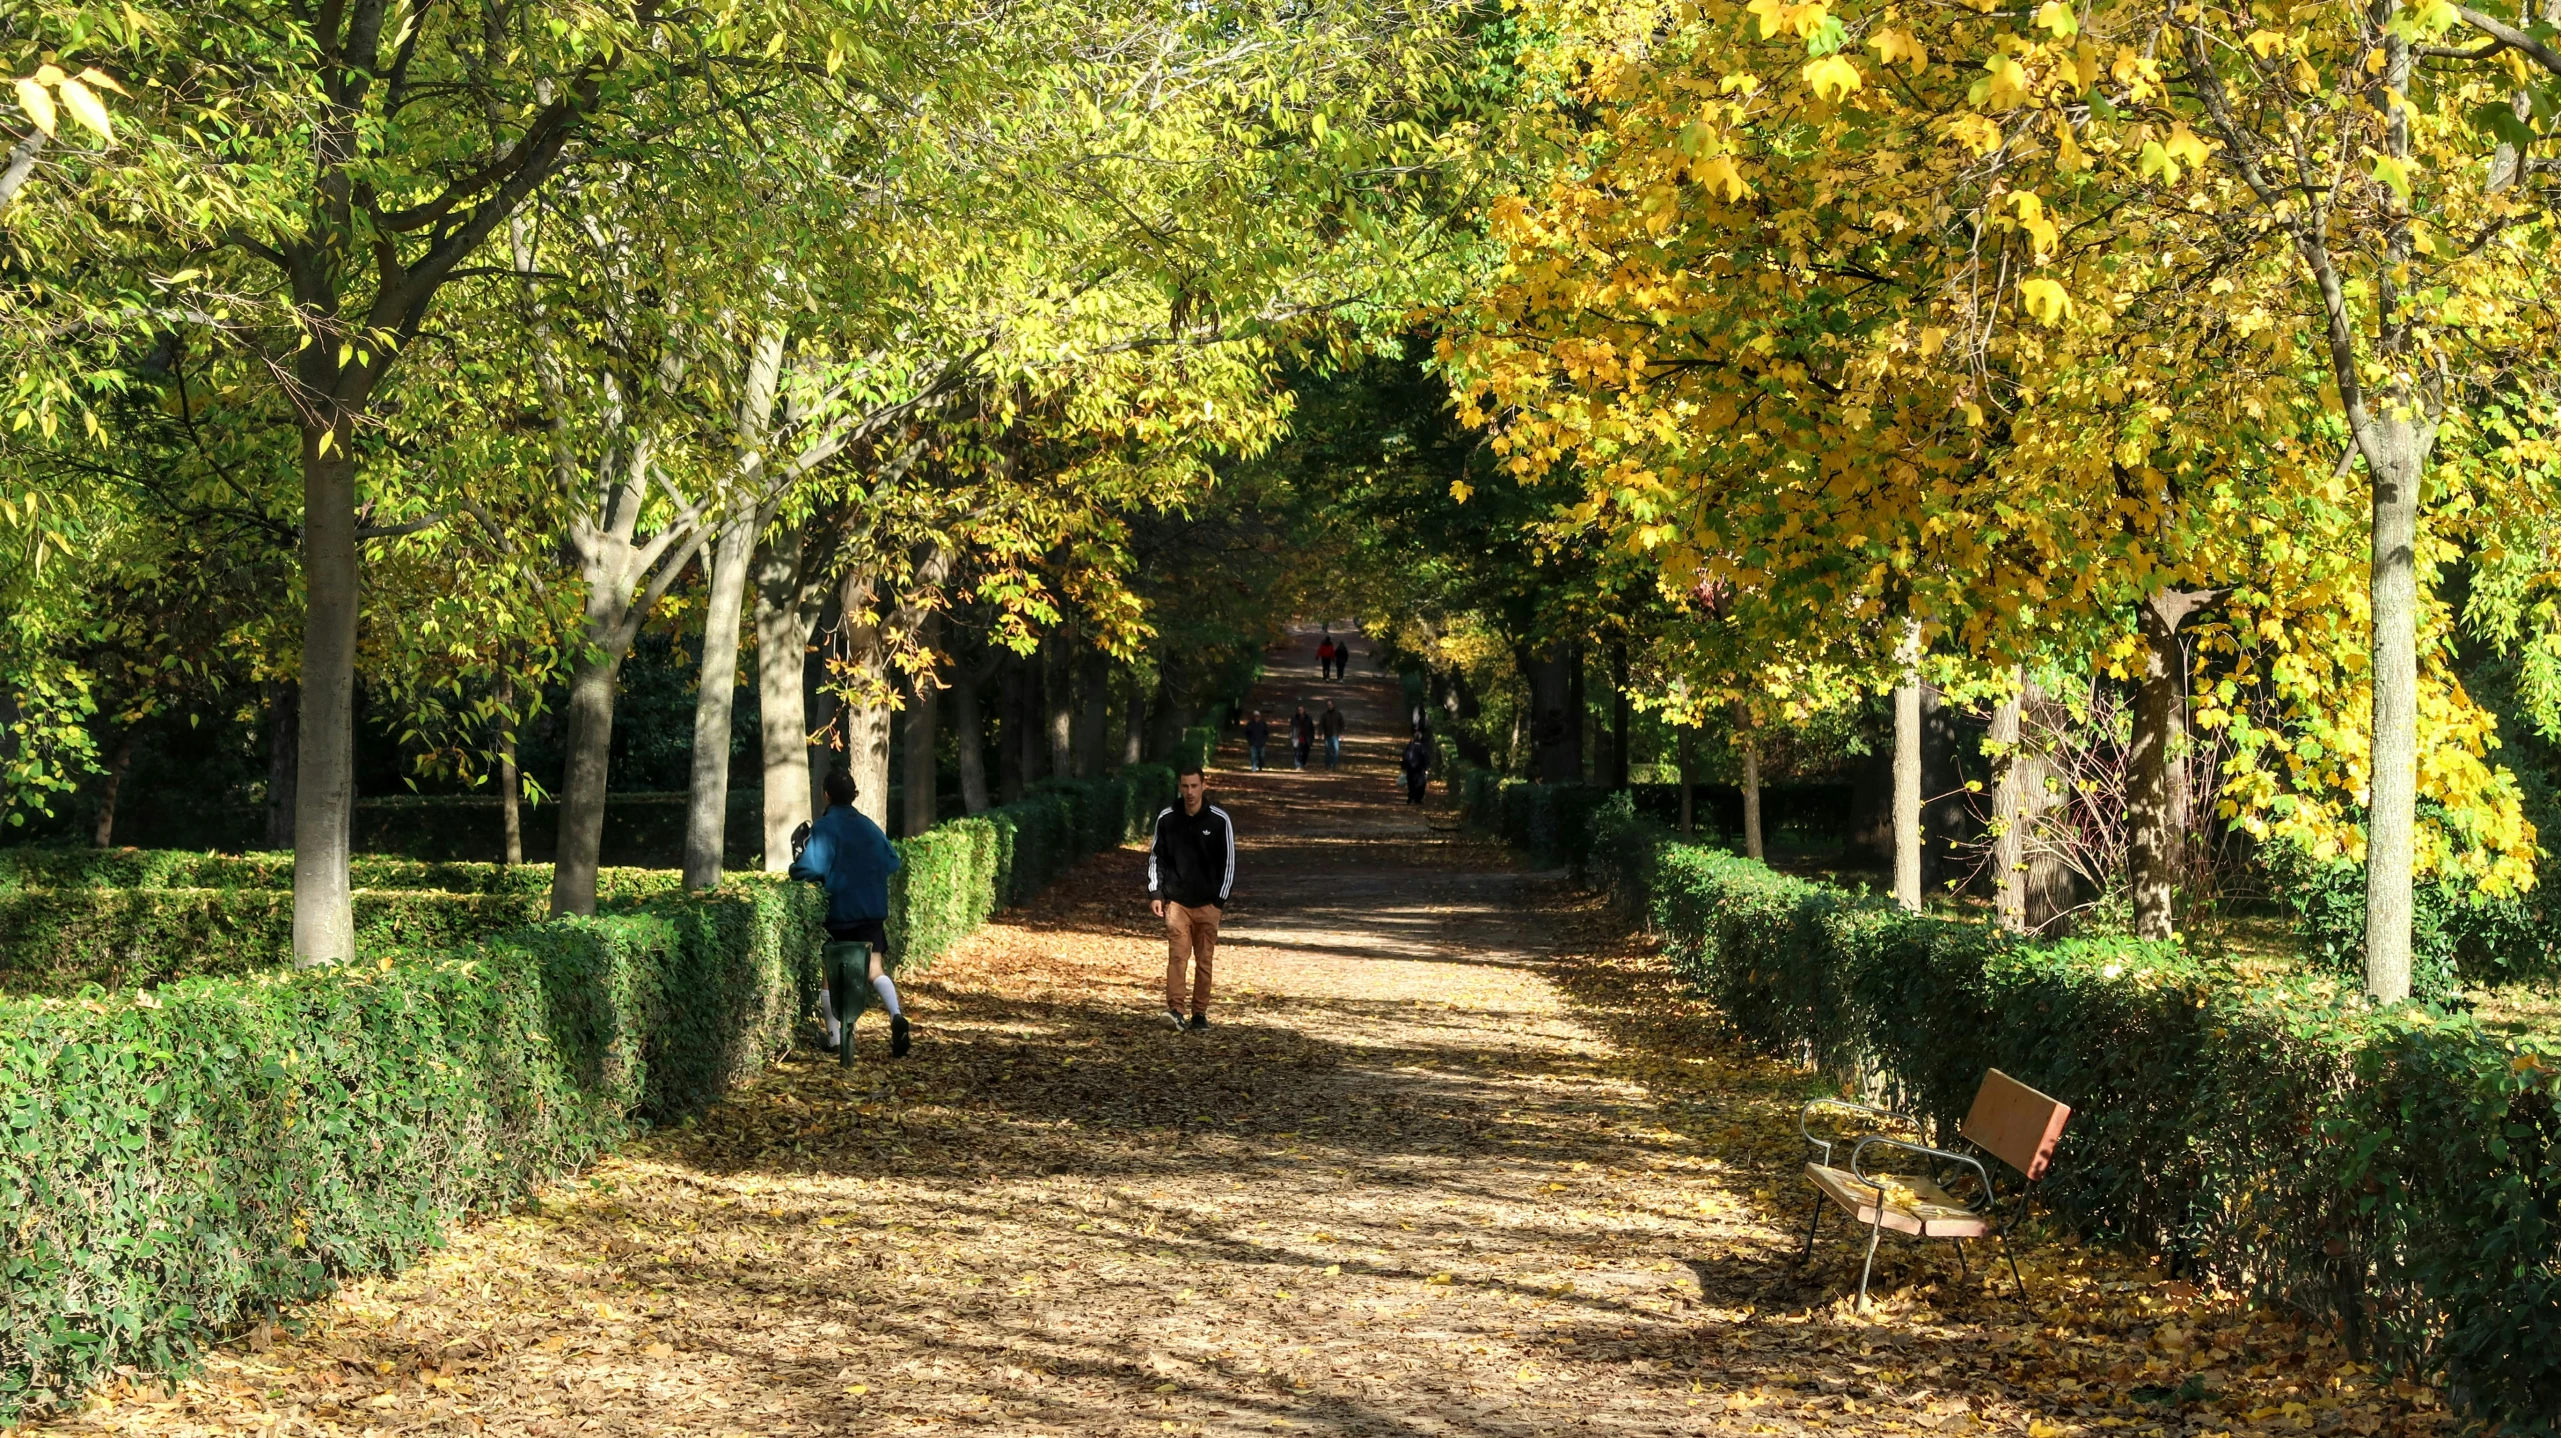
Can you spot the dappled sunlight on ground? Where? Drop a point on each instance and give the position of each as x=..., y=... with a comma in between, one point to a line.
x=1458, y=1160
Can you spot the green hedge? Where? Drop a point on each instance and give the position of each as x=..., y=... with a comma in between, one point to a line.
x=1551, y=822
x=2395, y=1171
x=178, y=1163
x=55, y=940
x=1196, y=748
x=63, y=868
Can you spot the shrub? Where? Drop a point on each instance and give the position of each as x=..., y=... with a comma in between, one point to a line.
x=1196, y=748
x=181, y=1161
x=2394, y=1170
x=57, y=868
x=1552, y=822
x=2457, y=934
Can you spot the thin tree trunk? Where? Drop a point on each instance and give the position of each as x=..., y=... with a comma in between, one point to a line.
x=324, y=922
x=1752, y=848
x=2156, y=779
x=510, y=784
x=2009, y=814
x=1014, y=749
x=284, y=742
x=583, y=785
x=969, y=736
x=715, y=700
x=1133, y=743
x=103, y=832
x=2391, y=847
x=1058, y=699
x=1621, y=716
x=786, y=603
x=1556, y=734
x=1689, y=808
x=1093, y=712
x=923, y=710
x=1907, y=771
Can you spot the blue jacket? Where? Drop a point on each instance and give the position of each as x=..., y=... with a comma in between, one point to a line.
x=850, y=855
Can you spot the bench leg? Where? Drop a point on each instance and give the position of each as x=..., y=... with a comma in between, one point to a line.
x=1811, y=1224
x=2014, y=1267
x=1961, y=1269
x=1875, y=1231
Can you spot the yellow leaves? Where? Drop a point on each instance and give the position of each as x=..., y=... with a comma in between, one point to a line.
x=1459, y=490
x=1892, y=46
x=2264, y=43
x=1976, y=133
x=37, y=94
x=2165, y=157
x=2032, y=218
x=2046, y=300
x=2140, y=74
x=1933, y=339
x=2004, y=85
x=1718, y=171
x=2068, y=158
x=1831, y=77
x=1800, y=20
x=2306, y=79
x=2057, y=17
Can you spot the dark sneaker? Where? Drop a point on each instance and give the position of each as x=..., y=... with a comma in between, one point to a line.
x=1175, y=1019
x=898, y=1036
x=1200, y=1021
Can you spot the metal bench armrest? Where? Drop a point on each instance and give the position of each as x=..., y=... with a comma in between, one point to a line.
x=1824, y=1145
x=1859, y=1171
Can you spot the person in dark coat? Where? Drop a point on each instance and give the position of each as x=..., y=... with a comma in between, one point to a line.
x=1302, y=734
x=1258, y=732
x=1331, y=726
x=1418, y=768
x=848, y=854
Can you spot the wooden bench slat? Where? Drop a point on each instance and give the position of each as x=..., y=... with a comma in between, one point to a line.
x=1927, y=1212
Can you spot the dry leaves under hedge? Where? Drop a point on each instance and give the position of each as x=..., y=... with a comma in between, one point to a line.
x=1457, y=1161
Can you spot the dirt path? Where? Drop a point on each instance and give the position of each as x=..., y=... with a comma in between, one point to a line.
x=1455, y=1162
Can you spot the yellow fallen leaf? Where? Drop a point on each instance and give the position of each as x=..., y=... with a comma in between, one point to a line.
x=659, y=1350
x=857, y=1389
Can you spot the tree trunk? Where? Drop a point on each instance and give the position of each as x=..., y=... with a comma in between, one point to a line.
x=969, y=736
x=1133, y=740
x=1094, y=708
x=1689, y=808
x=782, y=672
x=324, y=921
x=2152, y=837
x=284, y=730
x=715, y=699
x=103, y=832
x=2009, y=814
x=1017, y=751
x=2396, y=453
x=1556, y=732
x=923, y=712
x=866, y=723
x=510, y=784
x=1621, y=716
x=1752, y=794
x=1907, y=771
x=582, y=786
x=1058, y=700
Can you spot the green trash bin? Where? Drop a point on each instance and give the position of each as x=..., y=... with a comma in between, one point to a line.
x=847, y=965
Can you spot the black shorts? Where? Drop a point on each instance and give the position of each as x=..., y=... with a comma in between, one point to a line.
x=874, y=932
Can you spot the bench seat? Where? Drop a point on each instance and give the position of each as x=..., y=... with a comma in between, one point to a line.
x=1912, y=1205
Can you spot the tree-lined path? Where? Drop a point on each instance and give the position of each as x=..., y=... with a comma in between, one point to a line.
x=1453, y=1163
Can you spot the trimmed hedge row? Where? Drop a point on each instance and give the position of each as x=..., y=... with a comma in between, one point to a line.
x=2396, y=1171
x=52, y=868
x=1551, y=822
x=177, y=1162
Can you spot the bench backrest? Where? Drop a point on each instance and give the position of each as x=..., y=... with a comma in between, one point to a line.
x=2015, y=1123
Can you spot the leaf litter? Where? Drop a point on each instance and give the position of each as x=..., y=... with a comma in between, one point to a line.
x=1459, y=1159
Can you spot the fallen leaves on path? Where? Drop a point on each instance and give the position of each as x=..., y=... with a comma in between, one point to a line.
x=1458, y=1160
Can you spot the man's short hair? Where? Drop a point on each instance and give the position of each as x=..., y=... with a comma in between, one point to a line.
x=840, y=787
x=1191, y=771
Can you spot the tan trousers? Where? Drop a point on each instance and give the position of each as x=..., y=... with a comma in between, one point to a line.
x=1191, y=936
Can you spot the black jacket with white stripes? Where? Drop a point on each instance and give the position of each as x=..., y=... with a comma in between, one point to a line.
x=1193, y=861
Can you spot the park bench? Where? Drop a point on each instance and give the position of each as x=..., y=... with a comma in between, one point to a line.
x=2009, y=1121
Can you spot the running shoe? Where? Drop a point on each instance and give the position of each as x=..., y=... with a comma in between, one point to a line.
x=898, y=1036
x=1176, y=1019
x=1200, y=1021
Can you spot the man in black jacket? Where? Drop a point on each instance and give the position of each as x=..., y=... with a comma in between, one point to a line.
x=1190, y=868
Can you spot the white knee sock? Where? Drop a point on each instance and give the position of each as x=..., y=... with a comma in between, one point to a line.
x=888, y=994
x=835, y=1026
